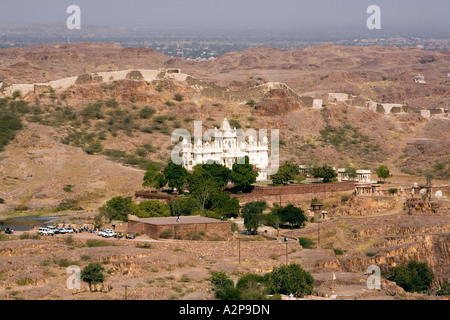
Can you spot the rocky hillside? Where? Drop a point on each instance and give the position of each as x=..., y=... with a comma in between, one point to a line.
x=85, y=135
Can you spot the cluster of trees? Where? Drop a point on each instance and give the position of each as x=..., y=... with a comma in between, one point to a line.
x=242, y=175
x=290, y=279
x=413, y=277
x=291, y=172
x=205, y=197
x=278, y=216
x=287, y=172
x=10, y=121
x=118, y=208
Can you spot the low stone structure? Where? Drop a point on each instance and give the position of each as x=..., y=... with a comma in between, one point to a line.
x=178, y=228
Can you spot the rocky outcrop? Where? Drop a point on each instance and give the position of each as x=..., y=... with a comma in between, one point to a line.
x=362, y=206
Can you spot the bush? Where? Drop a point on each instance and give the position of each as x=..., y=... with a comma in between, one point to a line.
x=178, y=97
x=291, y=279
x=224, y=287
x=9, y=125
x=93, y=273
x=306, y=243
x=24, y=281
x=27, y=235
x=166, y=234
x=146, y=112
x=444, y=290
x=98, y=243
x=65, y=262
x=393, y=190
x=338, y=252
x=413, y=277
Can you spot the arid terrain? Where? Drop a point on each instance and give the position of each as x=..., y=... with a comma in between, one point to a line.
x=81, y=146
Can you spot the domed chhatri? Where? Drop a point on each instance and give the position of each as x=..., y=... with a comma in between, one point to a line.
x=227, y=145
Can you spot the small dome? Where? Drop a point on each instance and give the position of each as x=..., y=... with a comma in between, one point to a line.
x=225, y=125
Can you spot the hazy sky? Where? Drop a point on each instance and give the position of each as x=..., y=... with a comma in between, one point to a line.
x=328, y=14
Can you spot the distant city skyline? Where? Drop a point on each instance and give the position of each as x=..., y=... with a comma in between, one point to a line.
x=332, y=15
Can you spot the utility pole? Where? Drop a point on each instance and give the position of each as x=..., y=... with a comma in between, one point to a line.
x=239, y=241
x=286, y=250
x=318, y=235
x=125, y=286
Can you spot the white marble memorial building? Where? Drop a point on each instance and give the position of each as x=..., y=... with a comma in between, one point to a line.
x=225, y=148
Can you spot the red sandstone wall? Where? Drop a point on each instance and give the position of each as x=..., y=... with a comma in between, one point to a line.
x=296, y=194
x=180, y=231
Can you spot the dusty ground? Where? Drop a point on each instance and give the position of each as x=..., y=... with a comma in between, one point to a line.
x=177, y=269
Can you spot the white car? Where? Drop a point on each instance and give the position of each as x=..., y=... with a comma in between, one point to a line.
x=66, y=230
x=45, y=231
x=102, y=232
x=54, y=229
x=109, y=233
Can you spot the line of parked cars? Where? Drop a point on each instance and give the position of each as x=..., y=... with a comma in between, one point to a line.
x=49, y=231
x=108, y=233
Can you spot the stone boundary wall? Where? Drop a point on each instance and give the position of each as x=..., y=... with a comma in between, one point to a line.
x=65, y=83
x=179, y=231
x=296, y=194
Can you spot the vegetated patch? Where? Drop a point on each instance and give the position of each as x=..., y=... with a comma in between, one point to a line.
x=306, y=243
x=98, y=243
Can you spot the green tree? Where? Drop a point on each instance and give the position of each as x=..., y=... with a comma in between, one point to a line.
x=292, y=215
x=178, y=97
x=383, y=172
x=251, y=287
x=152, y=208
x=285, y=173
x=203, y=187
x=224, y=287
x=153, y=177
x=16, y=94
x=289, y=279
x=9, y=125
x=243, y=175
x=325, y=172
x=218, y=172
x=183, y=206
x=93, y=273
x=118, y=208
x=252, y=212
x=413, y=277
x=176, y=176
x=225, y=205
x=444, y=289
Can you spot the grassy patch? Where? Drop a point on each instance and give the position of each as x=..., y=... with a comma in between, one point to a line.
x=98, y=243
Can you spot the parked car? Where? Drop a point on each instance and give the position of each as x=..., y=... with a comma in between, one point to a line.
x=119, y=235
x=109, y=233
x=131, y=235
x=102, y=232
x=54, y=229
x=9, y=231
x=67, y=230
x=45, y=231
